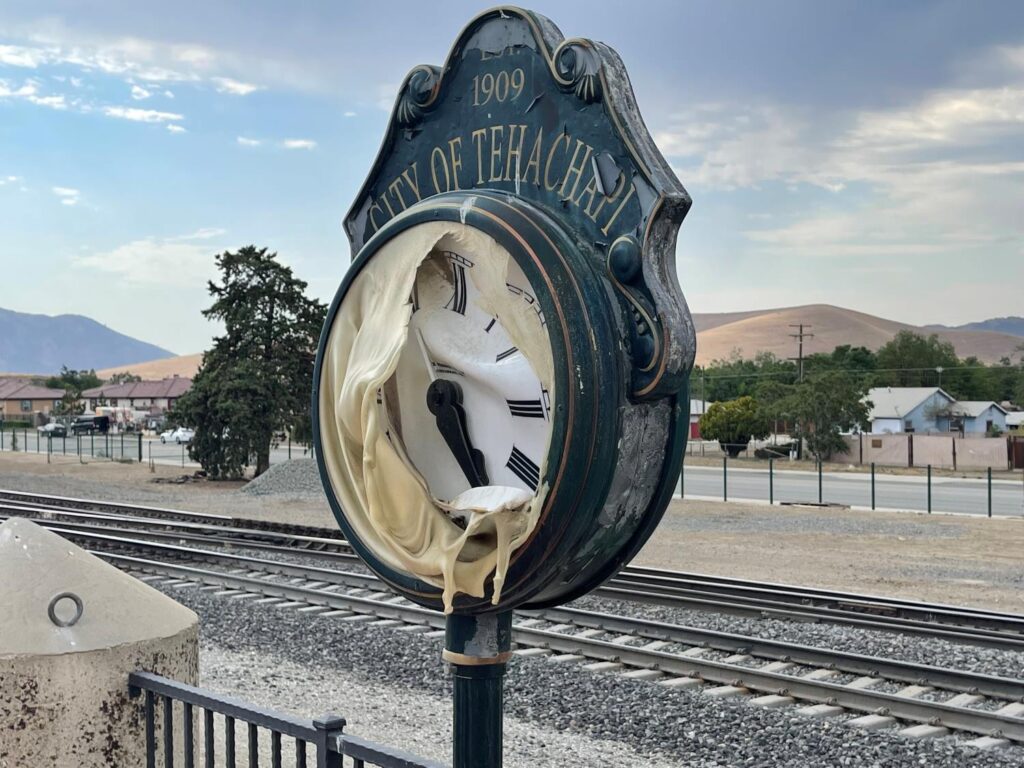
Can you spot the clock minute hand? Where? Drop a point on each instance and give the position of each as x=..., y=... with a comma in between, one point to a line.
x=444, y=400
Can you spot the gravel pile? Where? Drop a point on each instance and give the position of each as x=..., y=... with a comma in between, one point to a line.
x=298, y=477
x=392, y=687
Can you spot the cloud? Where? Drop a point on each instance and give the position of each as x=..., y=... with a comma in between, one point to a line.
x=139, y=93
x=169, y=94
x=234, y=87
x=29, y=91
x=298, y=144
x=350, y=114
x=175, y=128
x=141, y=115
x=20, y=56
x=8, y=180
x=247, y=142
x=203, y=233
x=67, y=195
x=172, y=261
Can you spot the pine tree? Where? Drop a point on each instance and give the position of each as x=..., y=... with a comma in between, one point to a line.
x=257, y=378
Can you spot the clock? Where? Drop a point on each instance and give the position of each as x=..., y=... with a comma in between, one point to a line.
x=500, y=403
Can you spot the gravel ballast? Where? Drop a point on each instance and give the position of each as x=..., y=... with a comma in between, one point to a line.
x=392, y=686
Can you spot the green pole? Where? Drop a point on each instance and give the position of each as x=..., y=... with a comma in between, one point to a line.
x=990, y=491
x=140, y=447
x=725, y=478
x=771, y=481
x=929, y=489
x=478, y=647
x=819, y=482
x=872, y=485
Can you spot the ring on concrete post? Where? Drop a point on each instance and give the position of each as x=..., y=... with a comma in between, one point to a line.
x=51, y=610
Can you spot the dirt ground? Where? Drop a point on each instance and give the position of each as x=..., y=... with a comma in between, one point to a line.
x=939, y=558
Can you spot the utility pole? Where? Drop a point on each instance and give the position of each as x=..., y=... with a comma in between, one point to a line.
x=800, y=336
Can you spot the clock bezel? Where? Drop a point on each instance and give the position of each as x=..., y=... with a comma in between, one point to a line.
x=588, y=370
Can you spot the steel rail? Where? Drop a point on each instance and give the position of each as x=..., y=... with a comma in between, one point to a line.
x=636, y=584
x=819, y=691
x=858, y=664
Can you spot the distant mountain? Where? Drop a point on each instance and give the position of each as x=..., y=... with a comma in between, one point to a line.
x=1011, y=325
x=42, y=344
x=767, y=330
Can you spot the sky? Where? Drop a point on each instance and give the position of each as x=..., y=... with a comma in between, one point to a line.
x=866, y=154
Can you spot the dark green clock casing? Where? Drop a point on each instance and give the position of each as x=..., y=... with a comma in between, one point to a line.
x=537, y=141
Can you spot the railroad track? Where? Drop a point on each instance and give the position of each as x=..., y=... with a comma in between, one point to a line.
x=871, y=693
x=633, y=584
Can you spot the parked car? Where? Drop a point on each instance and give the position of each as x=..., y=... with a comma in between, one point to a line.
x=90, y=424
x=166, y=435
x=183, y=435
x=53, y=429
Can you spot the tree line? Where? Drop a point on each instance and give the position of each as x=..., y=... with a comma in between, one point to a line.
x=908, y=360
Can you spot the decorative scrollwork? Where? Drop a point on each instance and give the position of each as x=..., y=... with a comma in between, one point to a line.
x=579, y=65
x=419, y=92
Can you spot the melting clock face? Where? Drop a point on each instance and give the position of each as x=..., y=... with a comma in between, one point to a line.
x=465, y=401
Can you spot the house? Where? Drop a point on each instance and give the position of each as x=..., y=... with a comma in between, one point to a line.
x=1015, y=420
x=21, y=400
x=697, y=409
x=910, y=409
x=150, y=396
x=977, y=417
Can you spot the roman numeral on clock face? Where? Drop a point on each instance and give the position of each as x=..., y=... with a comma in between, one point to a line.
x=529, y=409
x=522, y=466
x=457, y=303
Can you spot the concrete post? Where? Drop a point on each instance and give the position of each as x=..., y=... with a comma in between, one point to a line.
x=71, y=629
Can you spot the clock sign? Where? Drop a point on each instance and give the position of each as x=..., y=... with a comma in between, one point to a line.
x=501, y=388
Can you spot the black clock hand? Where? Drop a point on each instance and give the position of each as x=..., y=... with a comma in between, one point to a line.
x=444, y=400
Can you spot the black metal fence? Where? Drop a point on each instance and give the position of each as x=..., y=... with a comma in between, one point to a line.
x=125, y=446
x=173, y=712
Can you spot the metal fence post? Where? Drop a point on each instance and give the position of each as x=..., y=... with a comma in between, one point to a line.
x=140, y=447
x=929, y=489
x=725, y=478
x=771, y=481
x=872, y=485
x=682, y=478
x=327, y=727
x=289, y=446
x=819, y=482
x=183, y=455
x=990, y=491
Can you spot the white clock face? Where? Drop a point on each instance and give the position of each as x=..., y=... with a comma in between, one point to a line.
x=467, y=404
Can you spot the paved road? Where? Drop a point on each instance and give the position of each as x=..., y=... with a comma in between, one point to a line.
x=949, y=494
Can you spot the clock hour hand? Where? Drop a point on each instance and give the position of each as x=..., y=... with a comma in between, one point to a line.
x=444, y=400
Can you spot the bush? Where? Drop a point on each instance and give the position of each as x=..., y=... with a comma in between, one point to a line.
x=733, y=424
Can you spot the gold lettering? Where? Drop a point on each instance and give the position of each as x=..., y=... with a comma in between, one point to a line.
x=497, y=133
x=591, y=190
x=435, y=154
x=479, y=136
x=395, y=188
x=391, y=210
x=548, y=185
x=414, y=180
x=534, y=161
x=373, y=220
x=574, y=170
x=514, y=150
x=455, y=150
x=618, y=210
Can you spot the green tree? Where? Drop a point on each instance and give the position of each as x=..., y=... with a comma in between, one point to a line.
x=124, y=377
x=912, y=360
x=734, y=423
x=257, y=377
x=73, y=382
x=825, y=405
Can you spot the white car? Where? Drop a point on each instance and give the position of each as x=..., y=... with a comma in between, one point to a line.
x=179, y=435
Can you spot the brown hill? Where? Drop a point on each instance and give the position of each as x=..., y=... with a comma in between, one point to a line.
x=182, y=365
x=718, y=334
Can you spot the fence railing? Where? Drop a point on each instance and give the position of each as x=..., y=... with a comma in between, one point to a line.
x=124, y=446
x=286, y=740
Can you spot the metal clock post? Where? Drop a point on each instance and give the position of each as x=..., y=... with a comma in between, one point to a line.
x=528, y=394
